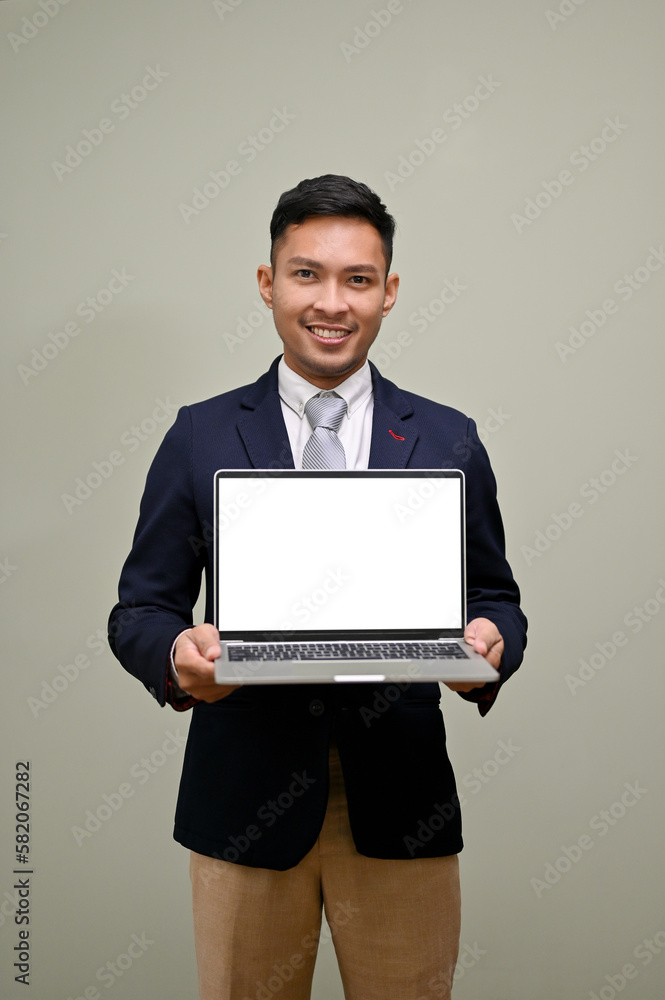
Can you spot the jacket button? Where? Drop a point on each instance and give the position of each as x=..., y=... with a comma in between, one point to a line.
x=317, y=707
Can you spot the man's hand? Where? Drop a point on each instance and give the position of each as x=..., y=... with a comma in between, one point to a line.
x=193, y=655
x=486, y=639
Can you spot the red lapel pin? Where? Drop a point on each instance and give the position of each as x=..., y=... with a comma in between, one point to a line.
x=396, y=436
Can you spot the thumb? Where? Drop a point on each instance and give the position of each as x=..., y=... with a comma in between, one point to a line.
x=206, y=639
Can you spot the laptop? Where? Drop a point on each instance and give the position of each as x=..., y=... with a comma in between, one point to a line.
x=336, y=577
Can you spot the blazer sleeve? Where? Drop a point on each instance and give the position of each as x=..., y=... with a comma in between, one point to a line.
x=161, y=578
x=491, y=589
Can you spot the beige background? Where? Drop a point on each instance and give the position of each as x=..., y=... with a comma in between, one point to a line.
x=356, y=100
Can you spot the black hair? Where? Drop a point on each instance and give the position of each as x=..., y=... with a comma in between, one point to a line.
x=332, y=194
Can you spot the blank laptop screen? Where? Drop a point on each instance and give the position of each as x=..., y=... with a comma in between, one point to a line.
x=339, y=551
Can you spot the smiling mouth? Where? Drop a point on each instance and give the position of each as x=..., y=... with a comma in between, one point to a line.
x=330, y=336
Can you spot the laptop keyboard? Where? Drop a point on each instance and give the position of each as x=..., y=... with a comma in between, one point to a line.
x=269, y=652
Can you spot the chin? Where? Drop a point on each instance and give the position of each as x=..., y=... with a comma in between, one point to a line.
x=334, y=366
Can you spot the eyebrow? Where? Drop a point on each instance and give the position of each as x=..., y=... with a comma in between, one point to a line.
x=316, y=264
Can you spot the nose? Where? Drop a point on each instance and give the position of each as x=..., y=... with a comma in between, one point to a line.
x=330, y=300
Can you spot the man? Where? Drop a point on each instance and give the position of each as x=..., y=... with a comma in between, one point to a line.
x=297, y=796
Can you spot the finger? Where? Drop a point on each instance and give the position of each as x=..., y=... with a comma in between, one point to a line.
x=200, y=643
x=479, y=644
x=482, y=634
x=494, y=654
x=204, y=636
x=199, y=681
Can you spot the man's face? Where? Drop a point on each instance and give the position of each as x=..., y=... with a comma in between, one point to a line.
x=328, y=292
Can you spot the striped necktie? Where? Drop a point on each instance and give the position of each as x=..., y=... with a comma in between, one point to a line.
x=324, y=450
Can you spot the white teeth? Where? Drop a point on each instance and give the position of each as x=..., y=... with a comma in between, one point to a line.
x=328, y=334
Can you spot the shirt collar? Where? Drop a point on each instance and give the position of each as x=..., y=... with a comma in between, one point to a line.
x=295, y=391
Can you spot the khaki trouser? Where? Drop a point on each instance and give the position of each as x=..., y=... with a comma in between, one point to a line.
x=395, y=924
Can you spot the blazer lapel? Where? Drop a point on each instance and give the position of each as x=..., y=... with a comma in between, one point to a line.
x=262, y=427
x=393, y=433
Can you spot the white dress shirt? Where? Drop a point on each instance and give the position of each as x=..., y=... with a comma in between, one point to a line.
x=355, y=431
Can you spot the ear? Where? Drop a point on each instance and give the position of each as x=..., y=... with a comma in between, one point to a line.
x=264, y=277
x=392, y=284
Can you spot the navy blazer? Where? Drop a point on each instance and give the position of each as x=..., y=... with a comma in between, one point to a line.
x=254, y=785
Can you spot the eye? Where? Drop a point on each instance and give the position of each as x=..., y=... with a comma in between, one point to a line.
x=304, y=272
x=359, y=279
